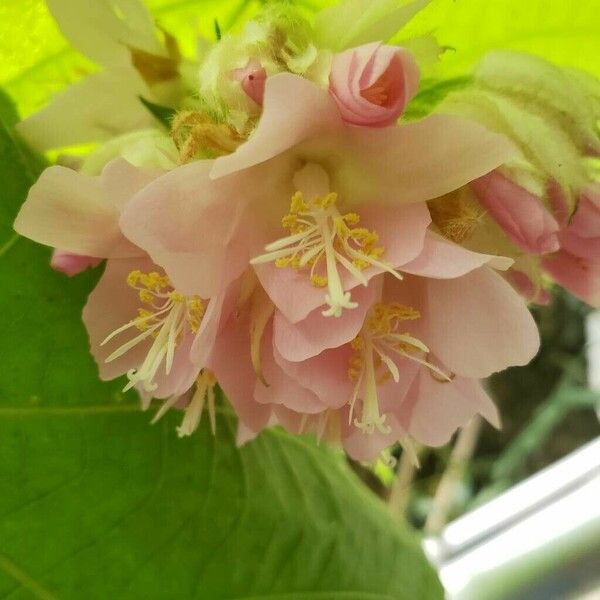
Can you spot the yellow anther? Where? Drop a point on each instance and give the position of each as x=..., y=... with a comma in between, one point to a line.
x=329, y=200
x=289, y=221
x=357, y=343
x=297, y=204
x=318, y=280
x=283, y=262
x=176, y=297
x=146, y=296
x=133, y=278
x=351, y=218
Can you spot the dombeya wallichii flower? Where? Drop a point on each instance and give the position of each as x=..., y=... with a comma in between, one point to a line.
x=359, y=189
x=413, y=348
x=138, y=323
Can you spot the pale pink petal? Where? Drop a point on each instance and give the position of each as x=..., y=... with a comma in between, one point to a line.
x=477, y=324
x=442, y=259
x=294, y=110
x=578, y=275
x=326, y=375
x=414, y=161
x=231, y=363
x=280, y=388
x=72, y=264
x=581, y=237
x=520, y=213
x=309, y=337
x=433, y=410
x=75, y=212
x=201, y=231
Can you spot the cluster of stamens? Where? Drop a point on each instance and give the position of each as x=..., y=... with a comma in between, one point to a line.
x=165, y=317
x=321, y=239
x=376, y=347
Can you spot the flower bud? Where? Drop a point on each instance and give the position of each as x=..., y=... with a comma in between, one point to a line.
x=72, y=264
x=372, y=84
x=521, y=214
x=252, y=78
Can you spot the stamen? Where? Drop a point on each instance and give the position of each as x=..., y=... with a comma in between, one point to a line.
x=203, y=394
x=372, y=362
x=165, y=319
x=322, y=239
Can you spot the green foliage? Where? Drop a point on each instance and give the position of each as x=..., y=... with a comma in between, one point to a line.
x=96, y=503
x=565, y=33
x=163, y=114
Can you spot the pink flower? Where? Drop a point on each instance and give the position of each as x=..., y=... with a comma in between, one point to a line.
x=520, y=213
x=71, y=264
x=366, y=188
x=138, y=323
x=252, y=78
x=373, y=83
x=408, y=366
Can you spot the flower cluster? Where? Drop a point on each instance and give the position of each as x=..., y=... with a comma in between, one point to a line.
x=333, y=267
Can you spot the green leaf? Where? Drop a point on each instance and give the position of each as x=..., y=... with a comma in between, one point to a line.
x=163, y=114
x=96, y=503
x=565, y=33
x=36, y=61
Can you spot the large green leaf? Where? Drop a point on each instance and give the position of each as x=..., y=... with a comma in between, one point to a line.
x=563, y=32
x=95, y=503
x=36, y=61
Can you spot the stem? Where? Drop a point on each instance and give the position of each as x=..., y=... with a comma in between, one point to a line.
x=448, y=487
x=401, y=487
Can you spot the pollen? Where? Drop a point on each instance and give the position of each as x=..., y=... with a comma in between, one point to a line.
x=163, y=320
x=327, y=245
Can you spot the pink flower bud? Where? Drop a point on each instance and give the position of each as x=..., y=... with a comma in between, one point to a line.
x=521, y=214
x=72, y=264
x=372, y=84
x=252, y=79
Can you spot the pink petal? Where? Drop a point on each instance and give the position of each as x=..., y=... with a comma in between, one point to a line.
x=294, y=110
x=232, y=366
x=281, y=388
x=78, y=213
x=477, y=324
x=433, y=411
x=578, y=275
x=415, y=161
x=326, y=375
x=442, y=259
x=199, y=230
x=309, y=337
x=581, y=237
